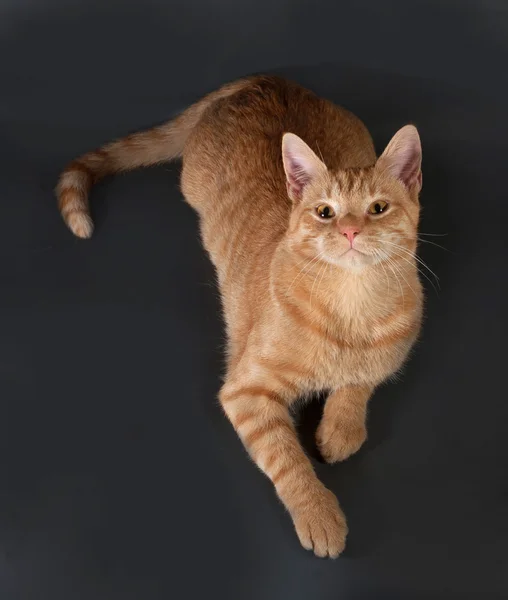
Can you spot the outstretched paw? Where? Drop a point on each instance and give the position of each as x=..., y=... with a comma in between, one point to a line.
x=321, y=525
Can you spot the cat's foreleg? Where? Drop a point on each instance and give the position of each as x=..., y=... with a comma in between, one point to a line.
x=257, y=404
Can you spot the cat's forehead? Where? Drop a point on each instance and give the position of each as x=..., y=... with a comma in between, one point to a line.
x=353, y=183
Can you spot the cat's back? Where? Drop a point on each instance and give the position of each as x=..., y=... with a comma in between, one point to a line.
x=240, y=136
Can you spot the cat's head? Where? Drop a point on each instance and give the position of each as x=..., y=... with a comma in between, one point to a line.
x=356, y=217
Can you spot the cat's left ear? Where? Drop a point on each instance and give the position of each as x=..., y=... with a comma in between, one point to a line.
x=402, y=158
x=300, y=164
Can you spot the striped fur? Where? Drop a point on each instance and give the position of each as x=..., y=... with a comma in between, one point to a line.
x=307, y=308
x=143, y=149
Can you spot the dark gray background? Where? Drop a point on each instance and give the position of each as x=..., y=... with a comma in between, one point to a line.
x=120, y=478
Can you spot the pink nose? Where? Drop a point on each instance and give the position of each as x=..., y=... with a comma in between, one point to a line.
x=350, y=232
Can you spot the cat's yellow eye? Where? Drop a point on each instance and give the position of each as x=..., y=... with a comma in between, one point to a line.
x=325, y=211
x=378, y=207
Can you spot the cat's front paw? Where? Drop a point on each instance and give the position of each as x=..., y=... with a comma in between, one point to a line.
x=338, y=441
x=321, y=525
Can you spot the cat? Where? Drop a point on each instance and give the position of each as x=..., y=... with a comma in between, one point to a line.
x=313, y=239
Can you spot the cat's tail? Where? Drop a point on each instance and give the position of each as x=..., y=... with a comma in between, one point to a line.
x=160, y=144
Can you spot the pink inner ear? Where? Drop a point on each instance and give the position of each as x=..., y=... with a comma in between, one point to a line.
x=403, y=156
x=407, y=165
x=300, y=164
x=297, y=177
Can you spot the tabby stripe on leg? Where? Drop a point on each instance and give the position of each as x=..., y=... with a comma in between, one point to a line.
x=281, y=468
x=261, y=419
x=265, y=429
x=254, y=391
x=283, y=472
x=244, y=419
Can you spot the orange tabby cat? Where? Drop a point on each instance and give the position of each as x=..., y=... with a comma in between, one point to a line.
x=313, y=239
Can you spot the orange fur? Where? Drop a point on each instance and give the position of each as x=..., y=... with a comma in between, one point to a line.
x=310, y=303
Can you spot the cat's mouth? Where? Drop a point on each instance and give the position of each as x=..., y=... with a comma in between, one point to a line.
x=351, y=252
x=354, y=258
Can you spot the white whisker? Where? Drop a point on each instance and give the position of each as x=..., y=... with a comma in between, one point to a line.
x=413, y=255
x=321, y=270
x=304, y=270
x=379, y=255
x=420, y=271
x=400, y=272
x=433, y=243
x=400, y=286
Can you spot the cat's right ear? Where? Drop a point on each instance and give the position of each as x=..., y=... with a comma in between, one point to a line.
x=300, y=164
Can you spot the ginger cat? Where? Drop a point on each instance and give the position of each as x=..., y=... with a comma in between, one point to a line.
x=313, y=240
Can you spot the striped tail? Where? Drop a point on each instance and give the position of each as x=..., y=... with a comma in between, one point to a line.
x=160, y=144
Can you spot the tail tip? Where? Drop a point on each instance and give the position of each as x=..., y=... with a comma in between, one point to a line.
x=80, y=224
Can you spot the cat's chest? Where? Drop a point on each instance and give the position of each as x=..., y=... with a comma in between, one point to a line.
x=335, y=364
x=351, y=335
x=356, y=346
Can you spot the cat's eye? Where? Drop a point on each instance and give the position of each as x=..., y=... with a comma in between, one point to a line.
x=378, y=207
x=325, y=211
